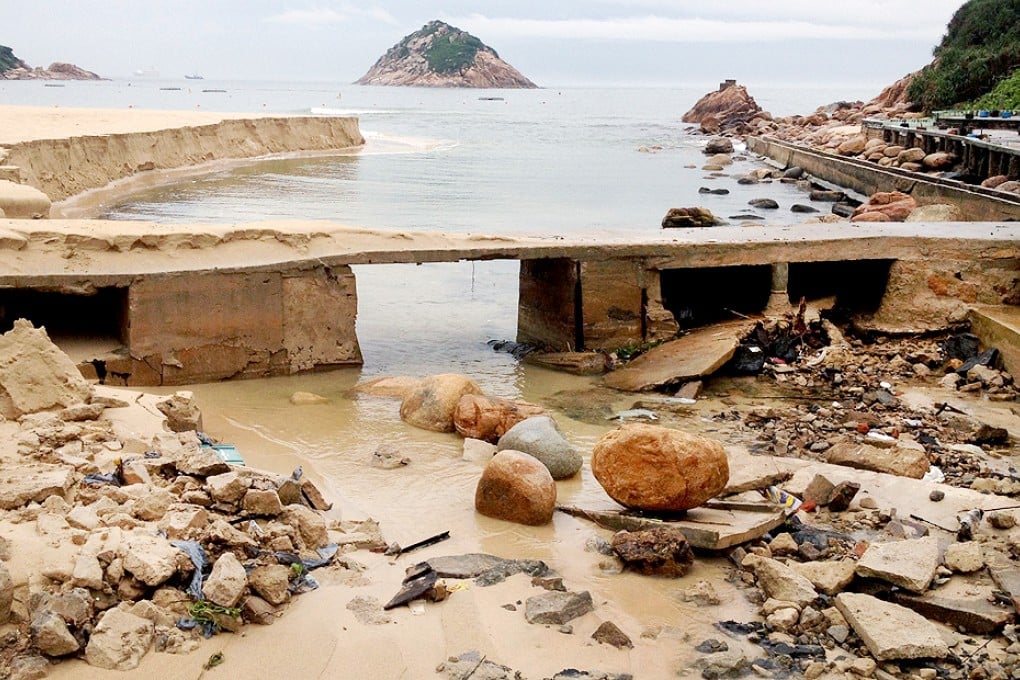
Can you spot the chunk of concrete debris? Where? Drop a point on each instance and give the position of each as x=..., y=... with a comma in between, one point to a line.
x=903, y=461
x=148, y=557
x=182, y=414
x=119, y=641
x=779, y=581
x=909, y=564
x=6, y=593
x=973, y=615
x=51, y=635
x=33, y=482
x=662, y=551
x=830, y=577
x=890, y=631
x=699, y=353
x=555, y=607
x=388, y=457
x=35, y=375
x=227, y=582
x=842, y=495
x=22, y=201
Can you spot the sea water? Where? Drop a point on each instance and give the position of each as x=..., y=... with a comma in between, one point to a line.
x=548, y=162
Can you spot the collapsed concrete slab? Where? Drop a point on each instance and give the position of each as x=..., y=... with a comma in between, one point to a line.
x=699, y=353
x=889, y=630
x=35, y=375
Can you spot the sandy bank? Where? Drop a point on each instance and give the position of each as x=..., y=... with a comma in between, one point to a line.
x=64, y=152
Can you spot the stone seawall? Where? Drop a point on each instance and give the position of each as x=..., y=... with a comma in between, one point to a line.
x=62, y=168
x=977, y=203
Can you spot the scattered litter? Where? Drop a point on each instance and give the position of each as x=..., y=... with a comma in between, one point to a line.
x=395, y=550
x=780, y=497
x=97, y=479
x=634, y=414
x=968, y=522
x=934, y=474
x=196, y=552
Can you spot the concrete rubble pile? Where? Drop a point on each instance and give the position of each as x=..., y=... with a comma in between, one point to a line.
x=150, y=542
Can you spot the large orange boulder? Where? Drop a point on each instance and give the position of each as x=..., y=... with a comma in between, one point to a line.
x=648, y=467
x=431, y=403
x=488, y=418
x=896, y=206
x=518, y=488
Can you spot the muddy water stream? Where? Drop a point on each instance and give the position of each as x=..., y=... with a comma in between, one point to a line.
x=335, y=441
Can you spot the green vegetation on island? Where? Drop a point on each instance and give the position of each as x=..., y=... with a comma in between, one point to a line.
x=1005, y=96
x=979, y=53
x=453, y=52
x=7, y=59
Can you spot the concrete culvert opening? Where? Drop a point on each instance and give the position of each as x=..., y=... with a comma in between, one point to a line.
x=702, y=296
x=68, y=316
x=858, y=286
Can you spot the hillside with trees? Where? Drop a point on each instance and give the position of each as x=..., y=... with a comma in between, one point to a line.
x=980, y=51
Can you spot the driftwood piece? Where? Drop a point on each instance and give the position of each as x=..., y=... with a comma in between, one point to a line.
x=717, y=525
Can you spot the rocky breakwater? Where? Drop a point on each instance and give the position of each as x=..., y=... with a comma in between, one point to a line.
x=119, y=539
x=440, y=55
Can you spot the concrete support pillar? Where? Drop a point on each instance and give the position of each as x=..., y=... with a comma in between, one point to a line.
x=779, y=298
x=203, y=327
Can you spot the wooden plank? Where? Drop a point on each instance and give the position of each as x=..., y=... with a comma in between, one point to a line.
x=707, y=528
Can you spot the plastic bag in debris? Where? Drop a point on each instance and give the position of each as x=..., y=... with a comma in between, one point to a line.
x=969, y=521
x=305, y=581
x=934, y=474
x=198, y=557
x=780, y=497
x=96, y=479
x=326, y=555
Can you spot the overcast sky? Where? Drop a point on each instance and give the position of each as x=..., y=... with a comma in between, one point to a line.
x=553, y=42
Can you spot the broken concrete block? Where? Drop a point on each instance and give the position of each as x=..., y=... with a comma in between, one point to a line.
x=51, y=635
x=557, y=607
x=780, y=582
x=227, y=582
x=21, y=201
x=828, y=577
x=35, y=375
x=975, y=615
x=898, y=460
x=33, y=482
x=119, y=641
x=889, y=630
x=907, y=564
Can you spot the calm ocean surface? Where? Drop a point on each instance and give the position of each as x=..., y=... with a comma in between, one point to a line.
x=541, y=162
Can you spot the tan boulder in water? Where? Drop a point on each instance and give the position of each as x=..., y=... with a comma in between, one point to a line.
x=518, y=488
x=648, y=467
x=430, y=405
x=488, y=418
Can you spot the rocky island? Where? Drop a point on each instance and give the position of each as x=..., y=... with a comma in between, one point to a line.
x=440, y=55
x=12, y=68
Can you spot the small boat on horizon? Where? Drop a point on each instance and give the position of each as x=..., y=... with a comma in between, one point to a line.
x=193, y=76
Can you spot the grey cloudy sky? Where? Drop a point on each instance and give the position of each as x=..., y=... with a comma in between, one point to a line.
x=561, y=43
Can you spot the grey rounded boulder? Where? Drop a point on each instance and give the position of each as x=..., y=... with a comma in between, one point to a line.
x=539, y=437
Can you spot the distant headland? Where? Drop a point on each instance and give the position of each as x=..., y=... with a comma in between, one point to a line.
x=440, y=55
x=12, y=68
